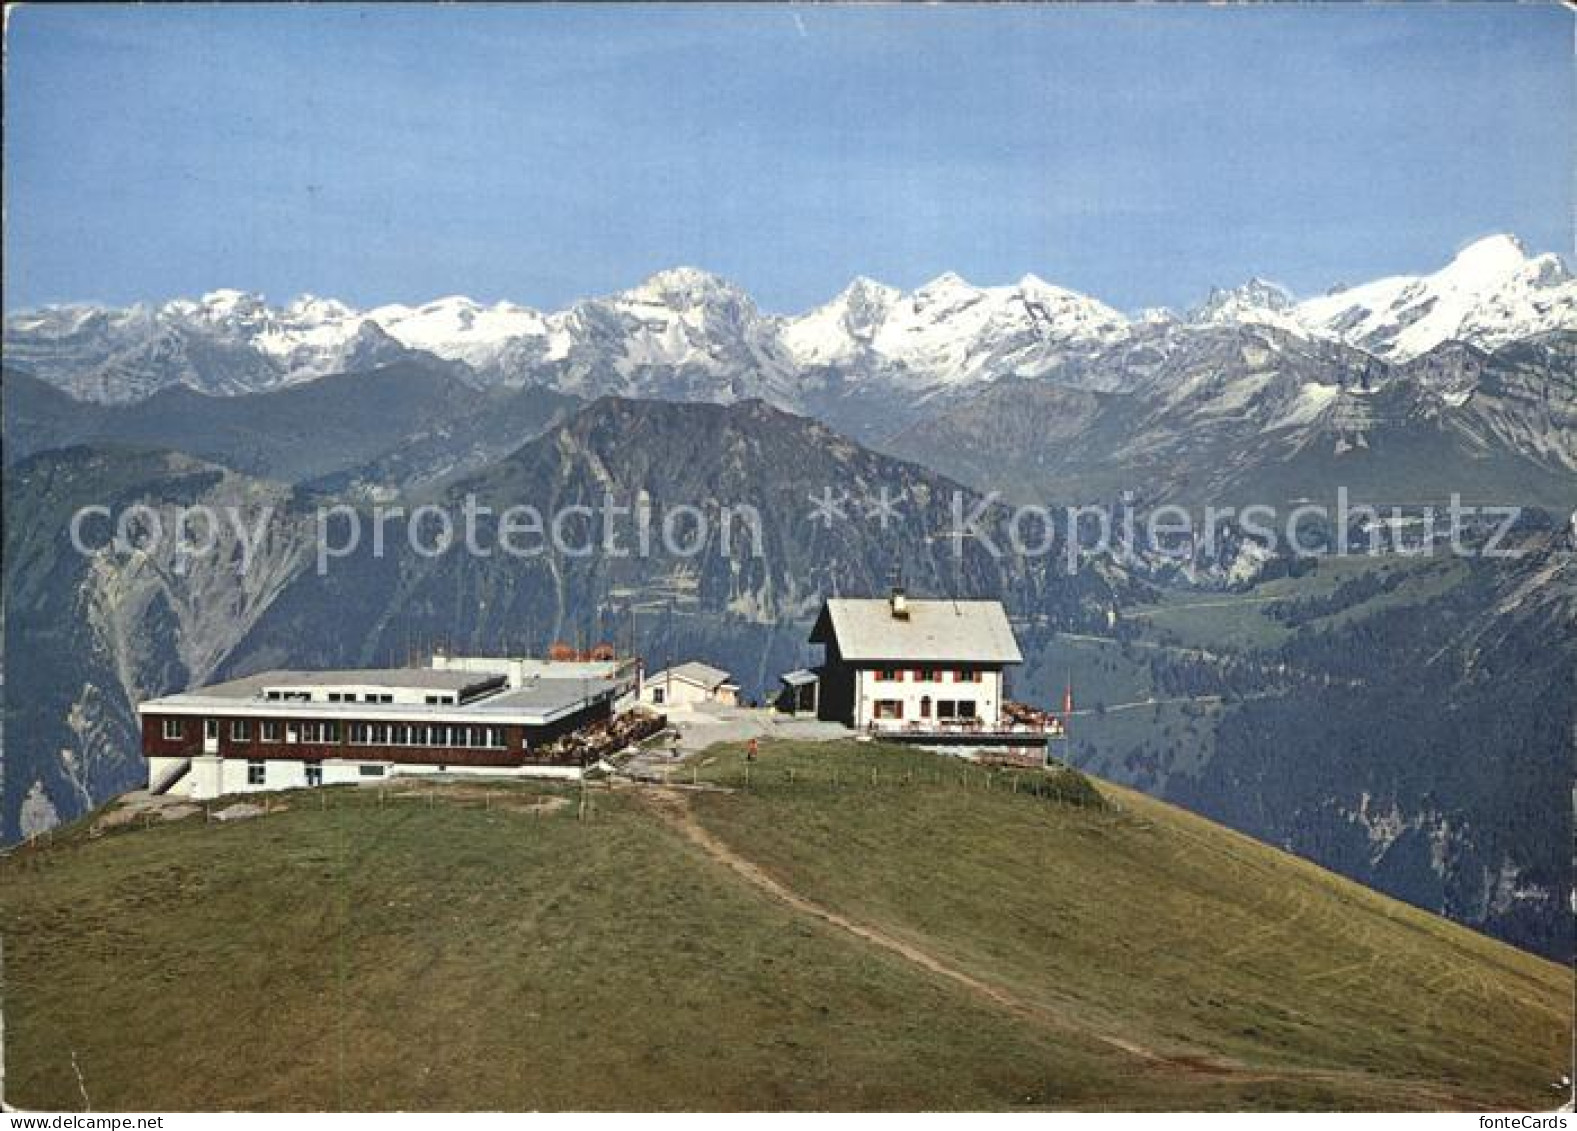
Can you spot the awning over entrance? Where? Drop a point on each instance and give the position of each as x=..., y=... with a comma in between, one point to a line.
x=801, y=690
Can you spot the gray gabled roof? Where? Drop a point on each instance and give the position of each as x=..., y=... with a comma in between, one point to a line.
x=702, y=675
x=970, y=632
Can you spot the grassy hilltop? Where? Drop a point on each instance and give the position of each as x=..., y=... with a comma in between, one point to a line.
x=858, y=927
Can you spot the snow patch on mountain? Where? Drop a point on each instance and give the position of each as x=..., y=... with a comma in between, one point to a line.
x=949, y=331
x=840, y=331
x=1490, y=294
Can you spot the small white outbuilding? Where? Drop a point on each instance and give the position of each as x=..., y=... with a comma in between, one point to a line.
x=689, y=684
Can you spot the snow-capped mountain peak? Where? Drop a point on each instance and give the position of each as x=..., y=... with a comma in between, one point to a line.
x=685, y=287
x=864, y=298
x=1492, y=292
x=839, y=330
x=947, y=289
x=310, y=310
x=1492, y=258
x=946, y=281
x=1257, y=302
x=226, y=301
x=1256, y=295
x=220, y=308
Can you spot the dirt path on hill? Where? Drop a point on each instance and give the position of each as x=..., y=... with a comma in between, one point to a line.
x=673, y=806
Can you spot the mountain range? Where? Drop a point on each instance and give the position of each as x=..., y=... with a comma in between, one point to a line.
x=684, y=334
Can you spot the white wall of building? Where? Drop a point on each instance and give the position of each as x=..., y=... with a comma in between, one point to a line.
x=211, y=777
x=663, y=692
x=985, y=694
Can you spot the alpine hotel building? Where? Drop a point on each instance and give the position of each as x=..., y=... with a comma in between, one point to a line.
x=288, y=729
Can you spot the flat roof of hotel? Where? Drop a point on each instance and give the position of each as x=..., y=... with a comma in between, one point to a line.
x=418, y=679
x=541, y=700
x=543, y=695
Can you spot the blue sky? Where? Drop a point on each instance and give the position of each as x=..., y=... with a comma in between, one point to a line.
x=542, y=154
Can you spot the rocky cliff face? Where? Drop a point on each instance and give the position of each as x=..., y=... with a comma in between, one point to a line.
x=90, y=635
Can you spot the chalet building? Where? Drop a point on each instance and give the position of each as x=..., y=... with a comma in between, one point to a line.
x=293, y=729
x=689, y=684
x=923, y=670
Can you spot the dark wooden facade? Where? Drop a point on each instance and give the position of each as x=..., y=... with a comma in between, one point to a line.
x=523, y=745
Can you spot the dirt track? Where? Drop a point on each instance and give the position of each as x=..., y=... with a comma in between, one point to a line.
x=673, y=806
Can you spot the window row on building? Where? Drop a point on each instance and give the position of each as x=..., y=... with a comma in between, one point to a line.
x=928, y=675
x=424, y=734
x=945, y=708
x=327, y=732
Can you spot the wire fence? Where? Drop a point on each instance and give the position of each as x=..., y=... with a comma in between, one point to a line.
x=584, y=799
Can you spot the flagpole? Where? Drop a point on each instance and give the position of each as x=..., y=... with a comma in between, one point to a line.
x=1067, y=720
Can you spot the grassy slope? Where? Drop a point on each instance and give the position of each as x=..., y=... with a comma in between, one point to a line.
x=453, y=957
x=1240, y=621
x=450, y=956
x=1154, y=924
